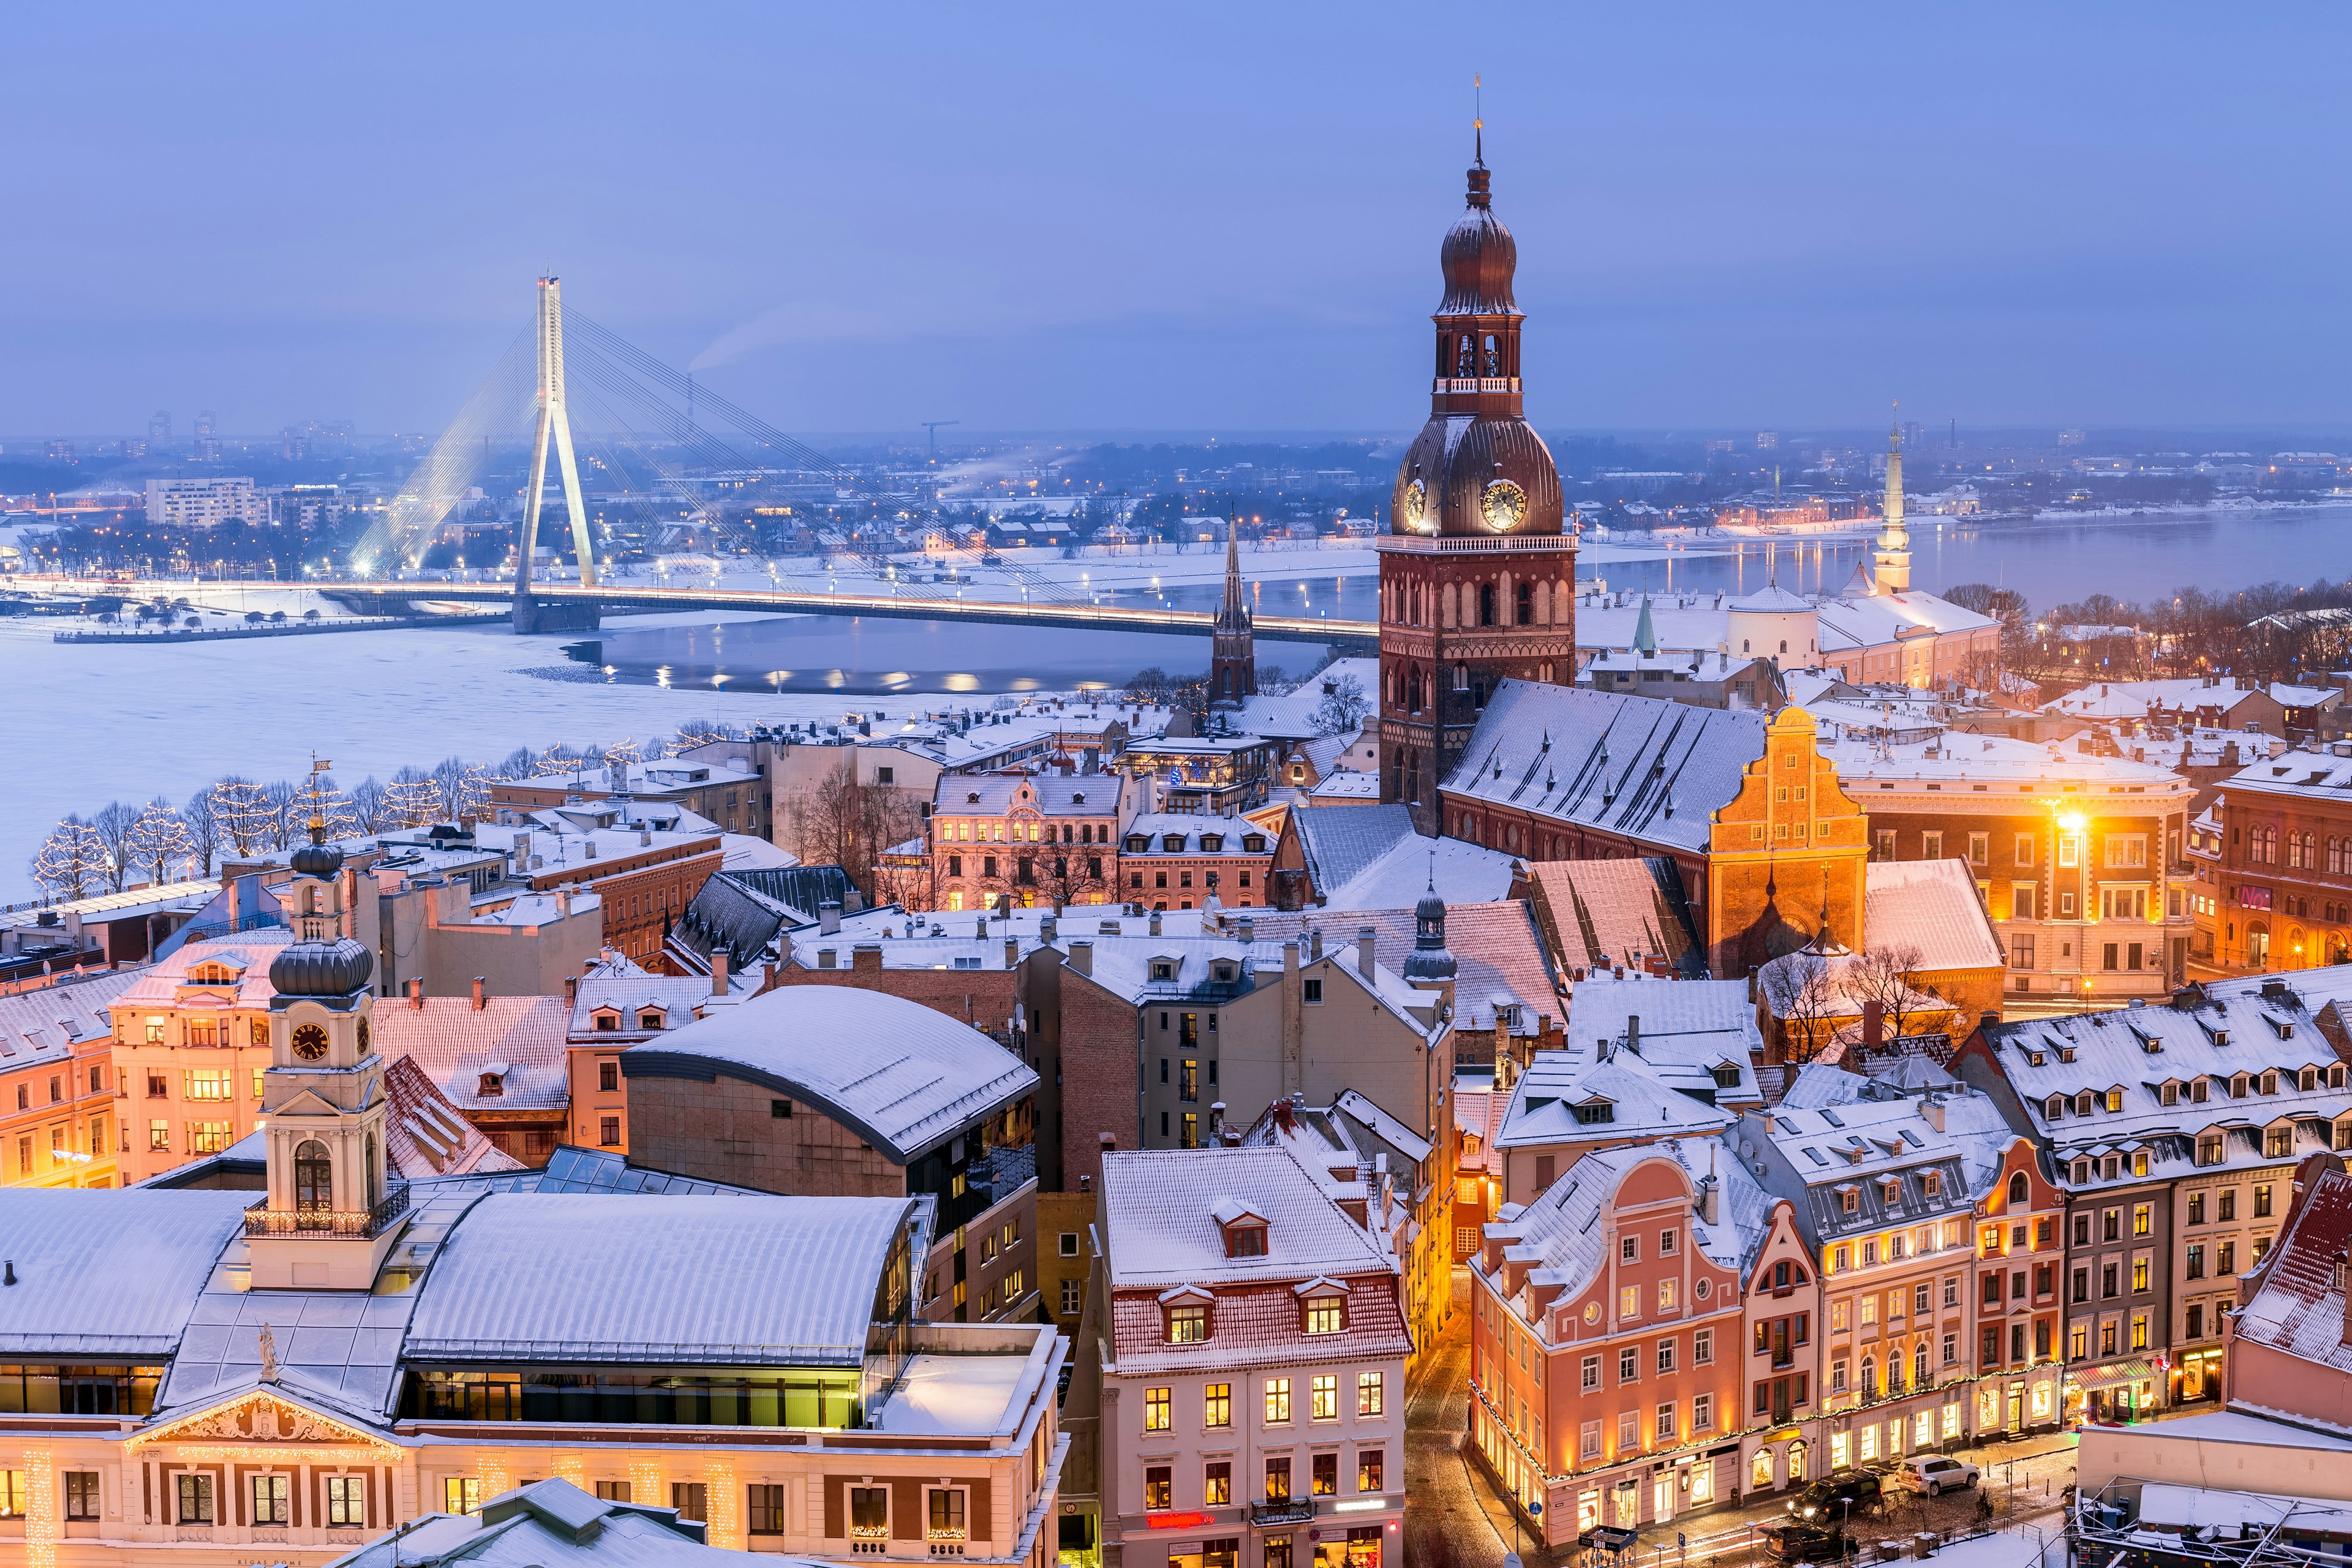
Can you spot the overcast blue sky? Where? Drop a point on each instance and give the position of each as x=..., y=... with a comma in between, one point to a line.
x=1120, y=217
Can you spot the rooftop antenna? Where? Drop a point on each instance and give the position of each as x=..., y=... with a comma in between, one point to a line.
x=1478, y=116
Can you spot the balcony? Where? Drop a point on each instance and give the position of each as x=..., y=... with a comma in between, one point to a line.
x=353, y=1224
x=1285, y=1510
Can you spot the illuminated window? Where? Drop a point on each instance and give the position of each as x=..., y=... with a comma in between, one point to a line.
x=1371, y=1393
x=1156, y=1410
x=1277, y=1400
x=1217, y=1404
x=1323, y=1397
x=1323, y=1315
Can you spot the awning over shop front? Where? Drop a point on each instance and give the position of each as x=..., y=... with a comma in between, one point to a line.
x=2112, y=1374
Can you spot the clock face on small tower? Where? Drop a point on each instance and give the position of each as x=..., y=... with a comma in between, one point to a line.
x=309, y=1042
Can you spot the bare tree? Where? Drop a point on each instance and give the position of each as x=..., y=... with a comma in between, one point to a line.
x=1801, y=997
x=522, y=763
x=285, y=811
x=1884, y=976
x=367, y=805
x=160, y=839
x=1342, y=709
x=241, y=808
x=112, y=825
x=410, y=800
x=71, y=862
x=839, y=820
x=204, y=830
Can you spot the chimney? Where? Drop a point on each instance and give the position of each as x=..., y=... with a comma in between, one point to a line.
x=416, y=992
x=1707, y=1205
x=1931, y=1112
x=1248, y=928
x=1012, y=953
x=645, y=836
x=1049, y=927
x=718, y=972
x=1633, y=1032
x=1155, y=922
x=480, y=983
x=866, y=958
x=1082, y=956
x=1364, y=951
x=829, y=917
x=1216, y=1121
x=1315, y=944
x=571, y=992
x=1874, y=1026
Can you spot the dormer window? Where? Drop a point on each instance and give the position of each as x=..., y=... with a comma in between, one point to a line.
x=1932, y=1184
x=2270, y=1083
x=1173, y=843
x=2114, y=1099
x=1163, y=968
x=1326, y=1314
x=1225, y=973
x=650, y=1018
x=1725, y=1074
x=492, y=1086
x=1892, y=1193
x=2056, y=1109
x=1137, y=843
x=1245, y=1238
x=1252, y=844
x=1211, y=843
x=2082, y=1171
x=1850, y=1200
x=2084, y=1102
x=1187, y=1323
x=608, y=1022
x=2237, y=1086
x=1595, y=1112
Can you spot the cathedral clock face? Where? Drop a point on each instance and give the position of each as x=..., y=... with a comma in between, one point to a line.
x=1504, y=505
x=309, y=1042
x=1416, y=505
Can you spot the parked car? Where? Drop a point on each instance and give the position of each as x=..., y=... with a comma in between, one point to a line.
x=1806, y=1543
x=1838, y=1497
x=1936, y=1474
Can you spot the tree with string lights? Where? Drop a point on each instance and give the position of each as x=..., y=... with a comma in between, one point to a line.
x=159, y=840
x=71, y=862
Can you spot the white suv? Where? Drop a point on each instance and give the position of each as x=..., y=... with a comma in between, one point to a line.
x=1935, y=1474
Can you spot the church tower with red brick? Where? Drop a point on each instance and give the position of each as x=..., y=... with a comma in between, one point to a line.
x=1477, y=571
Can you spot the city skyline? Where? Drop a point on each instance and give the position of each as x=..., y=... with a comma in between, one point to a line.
x=1091, y=222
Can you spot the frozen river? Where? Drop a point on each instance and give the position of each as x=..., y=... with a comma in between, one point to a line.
x=91, y=723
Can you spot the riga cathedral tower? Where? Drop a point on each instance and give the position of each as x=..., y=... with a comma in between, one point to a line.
x=1477, y=573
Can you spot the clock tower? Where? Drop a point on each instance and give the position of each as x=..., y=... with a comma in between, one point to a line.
x=1477, y=572
x=332, y=1215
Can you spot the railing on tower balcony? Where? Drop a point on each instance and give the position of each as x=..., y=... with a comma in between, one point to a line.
x=1448, y=545
x=354, y=1223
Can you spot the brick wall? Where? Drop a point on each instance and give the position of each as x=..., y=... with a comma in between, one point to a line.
x=727, y=1131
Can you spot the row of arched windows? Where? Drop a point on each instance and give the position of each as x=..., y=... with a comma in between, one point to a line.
x=1507, y=600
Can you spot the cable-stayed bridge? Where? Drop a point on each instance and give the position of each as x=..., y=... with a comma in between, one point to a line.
x=649, y=441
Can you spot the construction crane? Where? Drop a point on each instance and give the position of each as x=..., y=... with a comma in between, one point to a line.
x=932, y=426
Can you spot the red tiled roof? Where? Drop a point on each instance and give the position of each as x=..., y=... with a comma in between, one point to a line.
x=2299, y=1308
x=1496, y=949
x=425, y=1136
x=455, y=1044
x=1256, y=1324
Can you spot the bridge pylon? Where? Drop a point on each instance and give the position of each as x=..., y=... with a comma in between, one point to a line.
x=554, y=425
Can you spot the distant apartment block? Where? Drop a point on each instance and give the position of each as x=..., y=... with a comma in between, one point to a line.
x=204, y=503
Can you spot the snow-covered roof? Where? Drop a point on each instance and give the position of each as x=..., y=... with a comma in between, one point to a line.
x=2137, y=699
x=1929, y=906
x=425, y=1134
x=1464, y=873
x=1045, y=795
x=1187, y=833
x=903, y=1076
x=2305, y=774
x=1340, y=841
x=1499, y=959
x=102, y=907
x=1601, y=913
x=1647, y=770
x=109, y=1274
x=455, y=1044
x=1292, y=714
x=2236, y=1029
x=1988, y=765
x=1561, y=1233
x=1161, y=1206
x=716, y=1279
x=1346, y=787
x=48, y=1021
x=1879, y=619
x=2298, y=1305
x=1641, y=1102
x=1685, y=1031
x=245, y=956
x=554, y=1524
x=1822, y=1156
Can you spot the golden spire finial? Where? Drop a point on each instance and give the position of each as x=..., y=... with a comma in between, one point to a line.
x=317, y=823
x=1478, y=114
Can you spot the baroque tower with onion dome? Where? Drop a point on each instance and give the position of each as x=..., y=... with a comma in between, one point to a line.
x=1477, y=572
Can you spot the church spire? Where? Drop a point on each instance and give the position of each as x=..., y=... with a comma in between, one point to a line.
x=1891, y=560
x=1232, y=658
